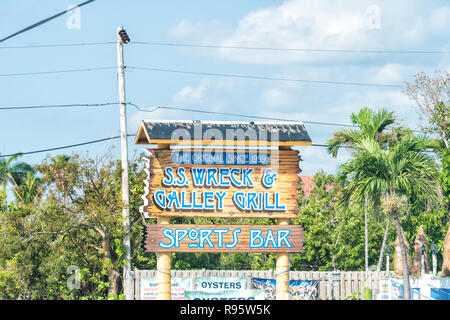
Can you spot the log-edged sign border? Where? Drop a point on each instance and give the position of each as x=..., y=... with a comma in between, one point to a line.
x=222, y=238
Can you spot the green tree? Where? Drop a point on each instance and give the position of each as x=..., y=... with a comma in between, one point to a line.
x=431, y=95
x=13, y=172
x=432, y=98
x=400, y=170
x=333, y=238
x=30, y=190
x=370, y=124
x=377, y=126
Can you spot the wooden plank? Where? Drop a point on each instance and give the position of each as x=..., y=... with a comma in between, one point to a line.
x=220, y=193
x=349, y=283
x=223, y=238
x=137, y=288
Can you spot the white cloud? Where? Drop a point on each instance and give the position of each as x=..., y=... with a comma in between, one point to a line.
x=319, y=24
x=186, y=29
x=275, y=97
x=439, y=20
x=190, y=94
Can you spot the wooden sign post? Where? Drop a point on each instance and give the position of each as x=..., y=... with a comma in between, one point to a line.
x=163, y=262
x=221, y=182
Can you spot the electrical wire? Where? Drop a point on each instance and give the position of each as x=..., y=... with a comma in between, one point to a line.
x=60, y=106
x=45, y=20
x=237, y=115
x=213, y=46
x=58, y=45
x=54, y=71
x=264, y=78
x=64, y=147
x=246, y=116
x=86, y=143
x=145, y=110
x=178, y=109
x=205, y=74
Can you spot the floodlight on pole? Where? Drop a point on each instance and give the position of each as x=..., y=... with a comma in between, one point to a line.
x=124, y=36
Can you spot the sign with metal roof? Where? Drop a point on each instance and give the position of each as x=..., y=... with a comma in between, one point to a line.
x=218, y=133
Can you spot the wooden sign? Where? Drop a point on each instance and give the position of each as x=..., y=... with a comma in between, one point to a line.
x=189, y=183
x=222, y=238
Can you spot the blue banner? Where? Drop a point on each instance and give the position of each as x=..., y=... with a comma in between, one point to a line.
x=298, y=289
x=220, y=158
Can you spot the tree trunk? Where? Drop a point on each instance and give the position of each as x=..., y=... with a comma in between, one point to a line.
x=113, y=274
x=366, y=238
x=446, y=255
x=420, y=240
x=398, y=229
x=383, y=245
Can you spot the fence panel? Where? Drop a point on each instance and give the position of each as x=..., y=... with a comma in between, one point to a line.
x=348, y=282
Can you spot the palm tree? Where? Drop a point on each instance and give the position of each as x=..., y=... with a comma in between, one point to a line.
x=406, y=168
x=372, y=125
x=30, y=189
x=13, y=173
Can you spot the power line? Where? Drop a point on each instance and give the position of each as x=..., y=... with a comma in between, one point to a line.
x=59, y=45
x=199, y=73
x=60, y=106
x=213, y=46
x=175, y=108
x=54, y=71
x=45, y=21
x=264, y=78
x=236, y=115
x=244, y=116
x=172, y=108
x=87, y=143
x=60, y=148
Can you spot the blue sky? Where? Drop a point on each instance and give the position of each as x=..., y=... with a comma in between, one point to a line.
x=342, y=25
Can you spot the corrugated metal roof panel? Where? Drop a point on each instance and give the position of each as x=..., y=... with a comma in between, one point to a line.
x=248, y=132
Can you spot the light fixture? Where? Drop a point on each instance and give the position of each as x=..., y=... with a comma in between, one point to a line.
x=124, y=36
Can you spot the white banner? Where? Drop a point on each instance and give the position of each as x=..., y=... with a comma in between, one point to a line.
x=149, y=288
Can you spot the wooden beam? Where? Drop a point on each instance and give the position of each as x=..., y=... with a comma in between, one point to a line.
x=163, y=277
x=282, y=269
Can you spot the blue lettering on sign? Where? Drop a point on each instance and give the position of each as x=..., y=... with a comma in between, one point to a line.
x=201, y=238
x=220, y=233
x=258, y=201
x=258, y=240
x=223, y=157
x=221, y=284
x=169, y=179
x=168, y=234
x=210, y=200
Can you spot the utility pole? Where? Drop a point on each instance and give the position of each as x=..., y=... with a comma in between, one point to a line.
x=127, y=276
